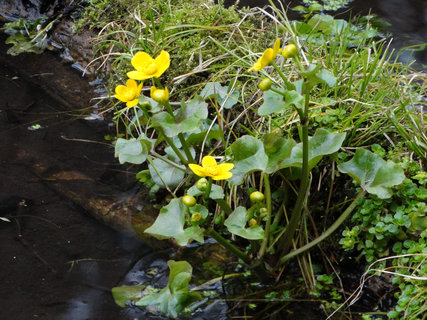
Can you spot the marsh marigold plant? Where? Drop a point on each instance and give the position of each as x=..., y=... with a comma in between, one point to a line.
x=211, y=169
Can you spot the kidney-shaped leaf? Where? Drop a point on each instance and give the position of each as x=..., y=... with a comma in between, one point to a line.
x=173, y=299
x=186, y=119
x=374, y=175
x=249, y=156
x=273, y=103
x=132, y=150
x=236, y=223
x=170, y=224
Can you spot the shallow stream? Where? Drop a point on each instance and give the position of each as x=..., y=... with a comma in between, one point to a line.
x=57, y=262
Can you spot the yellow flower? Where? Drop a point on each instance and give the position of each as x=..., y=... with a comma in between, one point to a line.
x=129, y=93
x=211, y=169
x=147, y=67
x=159, y=95
x=267, y=57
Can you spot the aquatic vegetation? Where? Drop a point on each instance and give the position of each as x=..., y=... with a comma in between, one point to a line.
x=286, y=127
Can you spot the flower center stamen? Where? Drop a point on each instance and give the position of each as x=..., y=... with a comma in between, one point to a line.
x=150, y=68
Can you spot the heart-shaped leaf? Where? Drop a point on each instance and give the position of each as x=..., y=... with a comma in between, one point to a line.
x=132, y=150
x=173, y=299
x=164, y=173
x=273, y=103
x=236, y=224
x=214, y=90
x=170, y=224
x=216, y=192
x=186, y=119
x=249, y=156
x=374, y=175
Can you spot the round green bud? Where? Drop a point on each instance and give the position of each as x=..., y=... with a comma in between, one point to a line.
x=290, y=51
x=265, y=84
x=196, y=217
x=256, y=196
x=202, y=184
x=189, y=201
x=159, y=95
x=252, y=223
x=263, y=212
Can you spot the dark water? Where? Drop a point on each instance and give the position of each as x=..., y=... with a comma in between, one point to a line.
x=407, y=19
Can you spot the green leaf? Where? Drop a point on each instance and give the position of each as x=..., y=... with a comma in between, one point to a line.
x=176, y=297
x=163, y=171
x=273, y=103
x=186, y=119
x=170, y=220
x=214, y=90
x=327, y=77
x=321, y=143
x=216, y=192
x=249, y=156
x=123, y=294
x=374, y=175
x=278, y=150
x=132, y=150
x=170, y=224
x=236, y=223
x=294, y=98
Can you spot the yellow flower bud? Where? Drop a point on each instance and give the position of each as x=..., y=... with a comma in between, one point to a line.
x=290, y=51
x=189, y=201
x=159, y=95
x=252, y=223
x=196, y=217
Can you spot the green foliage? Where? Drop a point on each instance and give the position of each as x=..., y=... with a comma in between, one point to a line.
x=27, y=35
x=236, y=223
x=171, y=221
x=171, y=300
x=373, y=173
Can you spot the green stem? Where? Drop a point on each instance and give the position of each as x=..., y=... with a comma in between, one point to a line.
x=226, y=244
x=289, y=85
x=180, y=135
x=267, y=193
x=208, y=189
x=325, y=234
x=185, y=147
x=286, y=241
x=173, y=146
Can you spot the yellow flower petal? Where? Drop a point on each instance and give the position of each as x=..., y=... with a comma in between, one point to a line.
x=131, y=84
x=223, y=176
x=198, y=170
x=276, y=48
x=132, y=103
x=162, y=62
x=209, y=162
x=140, y=60
x=137, y=75
x=225, y=166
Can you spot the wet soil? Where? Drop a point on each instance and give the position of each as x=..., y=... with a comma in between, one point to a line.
x=57, y=262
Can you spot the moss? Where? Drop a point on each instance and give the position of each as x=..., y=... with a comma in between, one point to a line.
x=183, y=29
